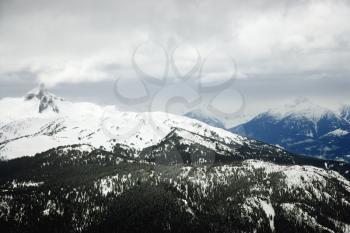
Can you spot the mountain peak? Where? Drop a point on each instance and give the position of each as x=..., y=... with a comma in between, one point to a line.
x=301, y=107
x=46, y=99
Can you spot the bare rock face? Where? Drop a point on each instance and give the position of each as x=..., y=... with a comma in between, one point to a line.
x=47, y=99
x=345, y=112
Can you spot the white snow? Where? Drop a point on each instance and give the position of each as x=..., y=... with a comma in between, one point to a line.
x=16, y=184
x=192, y=138
x=299, y=215
x=82, y=148
x=270, y=213
x=301, y=107
x=300, y=176
x=338, y=133
x=24, y=131
x=51, y=207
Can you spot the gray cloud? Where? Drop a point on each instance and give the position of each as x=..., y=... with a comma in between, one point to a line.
x=282, y=44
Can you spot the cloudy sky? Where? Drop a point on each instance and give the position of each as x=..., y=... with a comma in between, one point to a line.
x=146, y=54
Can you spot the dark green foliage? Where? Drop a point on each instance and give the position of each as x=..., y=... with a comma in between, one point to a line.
x=145, y=208
x=145, y=197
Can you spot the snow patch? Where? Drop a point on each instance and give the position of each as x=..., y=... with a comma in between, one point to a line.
x=338, y=133
x=270, y=213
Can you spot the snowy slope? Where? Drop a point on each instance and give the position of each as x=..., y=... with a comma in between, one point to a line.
x=26, y=129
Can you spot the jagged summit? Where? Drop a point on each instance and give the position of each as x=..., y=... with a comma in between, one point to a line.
x=47, y=100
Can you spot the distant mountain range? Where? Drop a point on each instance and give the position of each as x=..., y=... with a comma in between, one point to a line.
x=301, y=127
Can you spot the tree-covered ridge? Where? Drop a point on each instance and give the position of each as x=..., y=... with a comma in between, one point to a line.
x=91, y=190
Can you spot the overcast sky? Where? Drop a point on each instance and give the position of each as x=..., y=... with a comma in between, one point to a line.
x=275, y=50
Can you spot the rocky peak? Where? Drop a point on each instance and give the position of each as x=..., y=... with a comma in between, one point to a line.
x=46, y=99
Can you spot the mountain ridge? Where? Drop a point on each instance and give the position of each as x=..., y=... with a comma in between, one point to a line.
x=301, y=130
x=23, y=126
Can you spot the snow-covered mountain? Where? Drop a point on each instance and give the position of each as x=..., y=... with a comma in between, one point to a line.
x=302, y=127
x=41, y=121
